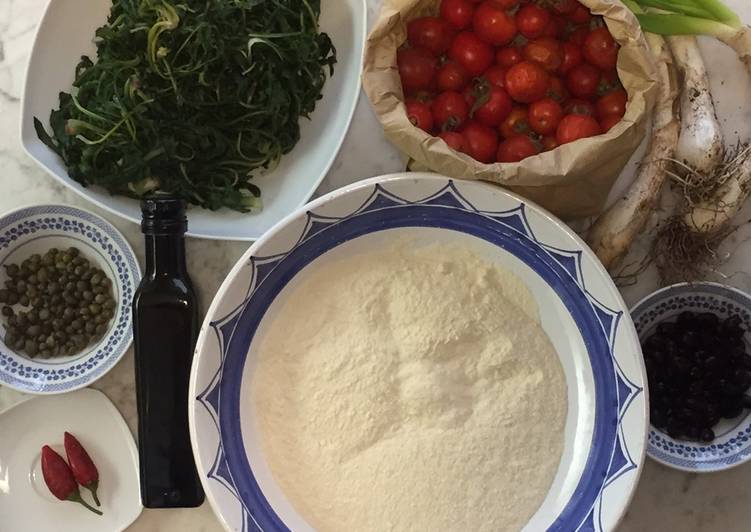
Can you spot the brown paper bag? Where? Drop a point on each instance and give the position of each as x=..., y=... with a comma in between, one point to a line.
x=573, y=180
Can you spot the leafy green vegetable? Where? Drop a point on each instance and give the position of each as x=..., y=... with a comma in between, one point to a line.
x=191, y=97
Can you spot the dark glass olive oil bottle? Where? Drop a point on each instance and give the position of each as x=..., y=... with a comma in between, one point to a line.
x=165, y=327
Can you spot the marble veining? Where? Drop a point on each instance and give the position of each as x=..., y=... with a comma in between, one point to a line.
x=665, y=499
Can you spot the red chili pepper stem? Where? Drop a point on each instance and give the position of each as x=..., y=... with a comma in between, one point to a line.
x=92, y=487
x=76, y=497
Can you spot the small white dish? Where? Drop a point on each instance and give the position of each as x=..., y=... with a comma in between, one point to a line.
x=66, y=32
x=732, y=444
x=36, y=229
x=25, y=501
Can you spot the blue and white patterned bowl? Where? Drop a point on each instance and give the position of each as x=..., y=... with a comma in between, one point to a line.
x=35, y=229
x=732, y=445
x=580, y=309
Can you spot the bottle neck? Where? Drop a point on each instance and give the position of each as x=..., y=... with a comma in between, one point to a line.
x=165, y=255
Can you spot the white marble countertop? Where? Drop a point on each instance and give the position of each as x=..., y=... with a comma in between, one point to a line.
x=665, y=499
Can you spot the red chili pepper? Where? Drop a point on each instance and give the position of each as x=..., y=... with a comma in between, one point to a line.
x=59, y=478
x=84, y=470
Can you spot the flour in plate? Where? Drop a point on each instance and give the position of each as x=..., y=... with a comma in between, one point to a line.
x=411, y=389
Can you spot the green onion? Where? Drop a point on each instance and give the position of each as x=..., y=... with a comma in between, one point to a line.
x=686, y=17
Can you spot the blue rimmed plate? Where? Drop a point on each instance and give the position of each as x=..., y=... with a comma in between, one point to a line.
x=36, y=229
x=580, y=308
x=732, y=444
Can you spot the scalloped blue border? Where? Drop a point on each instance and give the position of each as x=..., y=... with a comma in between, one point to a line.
x=39, y=376
x=609, y=457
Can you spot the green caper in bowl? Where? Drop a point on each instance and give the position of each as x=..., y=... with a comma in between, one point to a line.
x=55, y=304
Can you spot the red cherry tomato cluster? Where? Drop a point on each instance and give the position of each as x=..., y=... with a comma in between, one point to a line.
x=502, y=80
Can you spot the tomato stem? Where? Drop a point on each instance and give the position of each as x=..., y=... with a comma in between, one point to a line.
x=76, y=497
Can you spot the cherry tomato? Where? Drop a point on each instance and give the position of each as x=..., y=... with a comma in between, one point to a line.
x=544, y=116
x=531, y=20
x=432, y=33
x=506, y=4
x=545, y=51
x=493, y=25
x=496, y=75
x=609, y=121
x=578, y=36
x=580, y=15
x=549, y=142
x=458, y=13
x=419, y=114
x=453, y=139
x=555, y=28
x=509, y=56
x=564, y=7
x=471, y=53
x=583, y=80
x=452, y=77
x=613, y=103
x=515, y=149
x=600, y=49
x=417, y=68
x=469, y=95
x=527, y=82
x=516, y=123
x=496, y=108
x=575, y=127
x=480, y=142
x=450, y=110
x=579, y=107
x=609, y=81
x=557, y=90
x=572, y=56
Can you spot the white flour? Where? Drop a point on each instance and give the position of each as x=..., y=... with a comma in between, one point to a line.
x=411, y=390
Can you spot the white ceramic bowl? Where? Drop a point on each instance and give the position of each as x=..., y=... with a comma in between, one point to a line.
x=66, y=32
x=732, y=444
x=36, y=229
x=581, y=311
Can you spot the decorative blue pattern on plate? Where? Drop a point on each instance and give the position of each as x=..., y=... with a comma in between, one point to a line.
x=732, y=445
x=610, y=456
x=48, y=226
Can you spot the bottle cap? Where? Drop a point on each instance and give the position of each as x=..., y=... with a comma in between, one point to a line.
x=163, y=214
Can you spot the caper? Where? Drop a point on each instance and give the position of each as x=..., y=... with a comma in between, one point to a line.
x=21, y=286
x=59, y=265
x=66, y=258
x=110, y=304
x=42, y=275
x=96, y=278
x=12, y=298
x=44, y=314
x=76, y=324
x=12, y=270
x=10, y=338
x=31, y=347
x=24, y=300
x=34, y=330
x=101, y=329
x=12, y=320
x=4, y=295
x=7, y=311
x=70, y=299
x=88, y=295
x=32, y=316
x=31, y=291
x=10, y=286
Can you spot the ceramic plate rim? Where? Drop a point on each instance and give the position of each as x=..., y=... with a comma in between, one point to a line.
x=271, y=234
